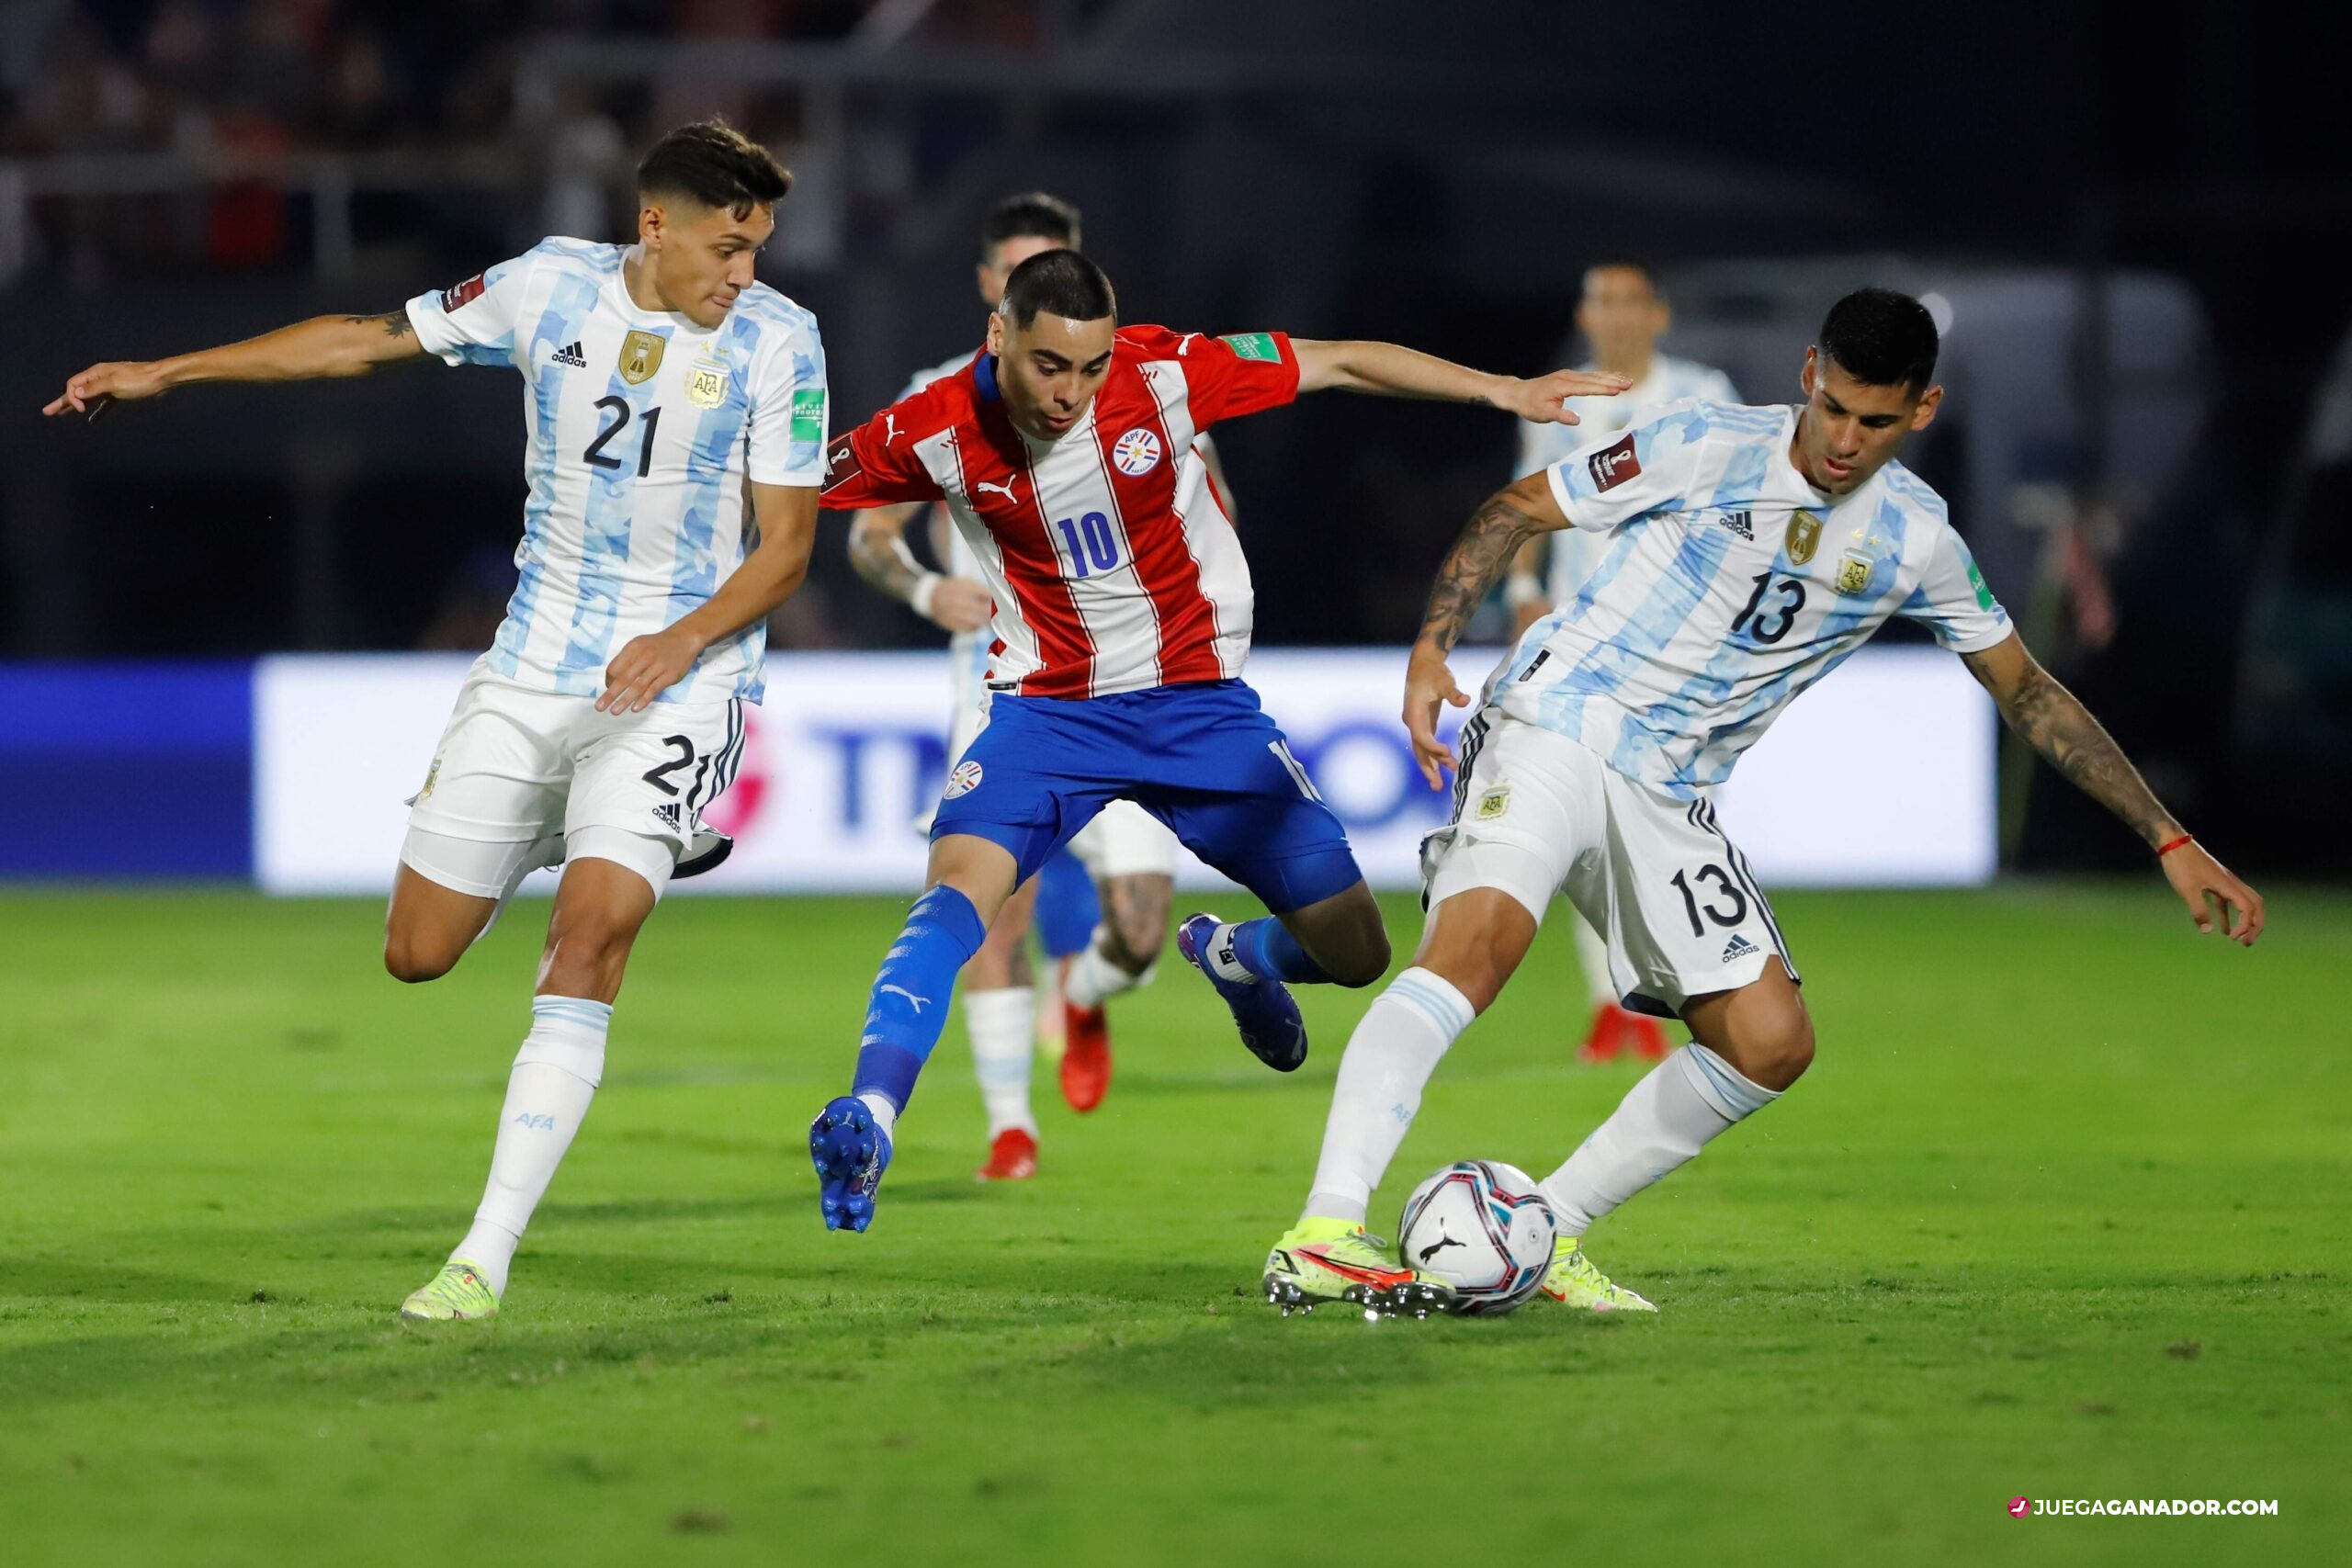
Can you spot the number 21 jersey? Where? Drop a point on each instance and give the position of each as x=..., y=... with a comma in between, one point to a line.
x=643, y=428
x=1726, y=585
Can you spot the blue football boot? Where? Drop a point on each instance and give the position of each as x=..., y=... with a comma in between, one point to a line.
x=1263, y=1008
x=851, y=1151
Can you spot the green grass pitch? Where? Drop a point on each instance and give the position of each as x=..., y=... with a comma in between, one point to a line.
x=2062, y=1212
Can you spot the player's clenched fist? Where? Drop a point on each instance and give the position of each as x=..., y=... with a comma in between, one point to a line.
x=646, y=668
x=1428, y=684
x=125, y=380
x=1541, y=398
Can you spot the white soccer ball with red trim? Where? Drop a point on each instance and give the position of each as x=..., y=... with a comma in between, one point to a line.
x=1485, y=1229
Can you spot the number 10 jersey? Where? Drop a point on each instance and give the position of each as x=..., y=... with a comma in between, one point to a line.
x=1726, y=585
x=643, y=428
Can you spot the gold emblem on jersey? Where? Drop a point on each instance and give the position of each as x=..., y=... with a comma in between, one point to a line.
x=1494, y=802
x=640, y=357
x=1804, y=536
x=707, y=385
x=1854, y=572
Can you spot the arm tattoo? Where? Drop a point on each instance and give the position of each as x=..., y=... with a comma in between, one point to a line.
x=880, y=556
x=1489, y=541
x=2055, y=722
x=394, y=322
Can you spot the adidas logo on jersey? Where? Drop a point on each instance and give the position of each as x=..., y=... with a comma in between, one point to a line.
x=669, y=815
x=1739, y=947
x=570, y=355
x=1737, y=521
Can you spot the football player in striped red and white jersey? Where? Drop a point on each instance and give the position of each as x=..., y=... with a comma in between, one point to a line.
x=1065, y=453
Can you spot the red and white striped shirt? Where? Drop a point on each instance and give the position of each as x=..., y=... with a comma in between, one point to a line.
x=1114, y=566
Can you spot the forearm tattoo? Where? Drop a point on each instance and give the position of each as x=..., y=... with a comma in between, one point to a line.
x=1489, y=541
x=394, y=322
x=2055, y=722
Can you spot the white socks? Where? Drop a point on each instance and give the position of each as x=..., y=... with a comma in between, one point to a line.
x=1094, y=979
x=1390, y=1056
x=1592, y=952
x=555, y=1076
x=1661, y=1125
x=1003, y=1025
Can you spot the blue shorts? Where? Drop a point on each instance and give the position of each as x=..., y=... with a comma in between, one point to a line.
x=1202, y=758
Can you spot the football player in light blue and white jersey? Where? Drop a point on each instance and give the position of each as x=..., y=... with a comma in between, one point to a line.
x=677, y=413
x=1748, y=550
x=1620, y=316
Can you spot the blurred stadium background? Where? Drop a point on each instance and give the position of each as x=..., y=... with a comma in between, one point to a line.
x=2133, y=222
x=2056, y=1214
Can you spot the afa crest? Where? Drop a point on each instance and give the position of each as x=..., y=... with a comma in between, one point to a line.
x=1804, y=536
x=1853, y=573
x=1494, y=802
x=707, y=385
x=641, y=356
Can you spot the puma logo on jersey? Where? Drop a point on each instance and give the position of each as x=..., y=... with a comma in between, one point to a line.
x=1006, y=489
x=915, y=1000
x=1184, y=345
x=889, y=428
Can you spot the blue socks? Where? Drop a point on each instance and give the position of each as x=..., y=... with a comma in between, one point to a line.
x=908, y=1007
x=1264, y=948
x=1068, y=907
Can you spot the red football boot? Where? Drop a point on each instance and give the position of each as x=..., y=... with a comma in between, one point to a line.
x=1012, y=1157
x=1649, y=1036
x=1086, y=1054
x=1607, y=1037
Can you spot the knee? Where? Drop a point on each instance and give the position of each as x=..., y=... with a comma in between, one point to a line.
x=1776, y=1054
x=412, y=959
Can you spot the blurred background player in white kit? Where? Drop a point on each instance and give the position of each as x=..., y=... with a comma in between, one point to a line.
x=1620, y=316
x=1101, y=908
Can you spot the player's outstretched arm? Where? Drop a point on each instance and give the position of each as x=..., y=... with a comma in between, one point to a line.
x=2055, y=722
x=322, y=346
x=648, y=666
x=878, y=553
x=1507, y=520
x=1387, y=370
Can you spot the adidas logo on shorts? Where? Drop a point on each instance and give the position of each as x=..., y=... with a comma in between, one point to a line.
x=669, y=817
x=1739, y=947
x=570, y=355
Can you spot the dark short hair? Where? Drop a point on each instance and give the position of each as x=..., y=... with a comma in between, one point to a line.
x=714, y=163
x=1648, y=273
x=1882, y=339
x=1031, y=215
x=1057, y=283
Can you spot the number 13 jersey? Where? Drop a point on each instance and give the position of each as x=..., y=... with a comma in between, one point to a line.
x=643, y=428
x=1113, y=566
x=1725, y=586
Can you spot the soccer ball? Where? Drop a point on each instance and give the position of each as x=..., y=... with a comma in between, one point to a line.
x=1483, y=1228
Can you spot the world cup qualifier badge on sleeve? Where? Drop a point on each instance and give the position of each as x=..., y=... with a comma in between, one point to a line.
x=1614, y=464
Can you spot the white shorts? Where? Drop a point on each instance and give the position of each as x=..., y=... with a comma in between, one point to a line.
x=524, y=778
x=1125, y=840
x=1536, y=815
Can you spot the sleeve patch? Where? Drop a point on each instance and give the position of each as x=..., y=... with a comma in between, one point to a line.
x=1613, y=464
x=1976, y=580
x=841, y=461
x=808, y=415
x=465, y=293
x=1253, y=346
